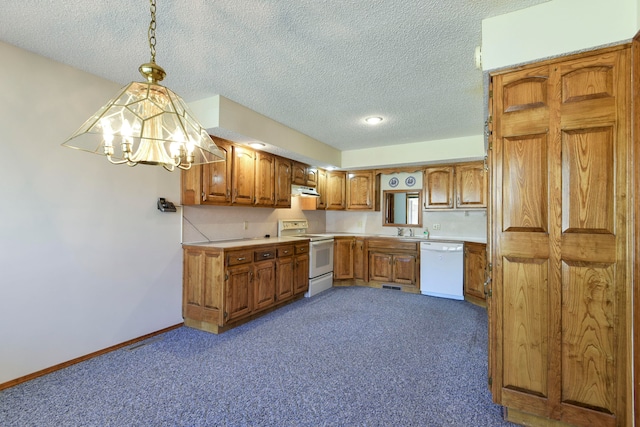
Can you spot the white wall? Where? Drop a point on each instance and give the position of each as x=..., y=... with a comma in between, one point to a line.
x=208, y=223
x=554, y=28
x=86, y=260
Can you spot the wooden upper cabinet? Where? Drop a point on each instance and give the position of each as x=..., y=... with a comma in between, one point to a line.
x=461, y=186
x=336, y=198
x=216, y=177
x=361, y=192
x=471, y=185
x=321, y=202
x=312, y=177
x=299, y=173
x=264, y=192
x=243, y=176
x=282, y=182
x=438, y=187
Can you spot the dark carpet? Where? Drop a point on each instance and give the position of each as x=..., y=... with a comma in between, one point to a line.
x=348, y=357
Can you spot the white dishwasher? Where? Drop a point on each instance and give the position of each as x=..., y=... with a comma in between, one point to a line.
x=441, y=269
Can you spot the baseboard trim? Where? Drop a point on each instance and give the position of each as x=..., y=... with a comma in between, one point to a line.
x=63, y=365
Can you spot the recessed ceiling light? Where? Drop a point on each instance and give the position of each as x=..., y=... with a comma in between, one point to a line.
x=373, y=120
x=256, y=144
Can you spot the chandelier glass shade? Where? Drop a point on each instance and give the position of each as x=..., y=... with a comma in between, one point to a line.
x=147, y=123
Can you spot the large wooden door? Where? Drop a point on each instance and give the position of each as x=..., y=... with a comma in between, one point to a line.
x=560, y=312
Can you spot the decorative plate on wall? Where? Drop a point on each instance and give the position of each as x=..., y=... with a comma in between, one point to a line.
x=410, y=181
x=393, y=182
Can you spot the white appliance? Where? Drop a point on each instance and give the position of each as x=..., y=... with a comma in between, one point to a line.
x=441, y=269
x=320, y=253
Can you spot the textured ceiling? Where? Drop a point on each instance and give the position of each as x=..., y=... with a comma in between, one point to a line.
x=317, y=66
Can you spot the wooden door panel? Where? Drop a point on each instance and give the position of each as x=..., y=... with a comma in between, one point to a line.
x=238, y=292
x=525, y=92
x=404, y=269
x=243, y=176
x=439, y=187
x=264, y=284
x=216, y=177
x=379, y=267
x=588, y=195
x=588, y=82
x=525, y=325
x=588, y=325
x=524, y=184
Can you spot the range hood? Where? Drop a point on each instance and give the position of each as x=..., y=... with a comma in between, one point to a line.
x=300, y=190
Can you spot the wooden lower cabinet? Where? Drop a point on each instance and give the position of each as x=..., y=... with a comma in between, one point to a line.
x=301, y=269
x=358, y=258
x=475, y=261
x=343, y=257
x=225, y=287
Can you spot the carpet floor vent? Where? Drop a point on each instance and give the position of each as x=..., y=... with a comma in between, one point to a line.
x=143, y=343
x=395, y=288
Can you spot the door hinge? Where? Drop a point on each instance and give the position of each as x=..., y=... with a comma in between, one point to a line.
x=226, y=314
x=490, y=293
x=490, y=381
x=491, y=93
x=490, y=267
x=226, y=277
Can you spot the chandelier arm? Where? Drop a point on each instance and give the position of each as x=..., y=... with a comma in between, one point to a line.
x=117, y=162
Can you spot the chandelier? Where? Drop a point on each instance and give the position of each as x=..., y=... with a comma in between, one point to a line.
x=147, y=123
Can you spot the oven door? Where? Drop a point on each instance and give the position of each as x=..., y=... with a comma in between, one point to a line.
x=320, y=258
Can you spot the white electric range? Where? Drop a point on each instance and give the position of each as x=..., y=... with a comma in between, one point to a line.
x=320, y=253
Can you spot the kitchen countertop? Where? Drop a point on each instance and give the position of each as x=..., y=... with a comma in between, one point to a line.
x=418, y=238
x=225, y=244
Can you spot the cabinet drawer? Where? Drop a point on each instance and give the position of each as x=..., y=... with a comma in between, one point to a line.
x=284, y=251
x=239, y=257
x=266, y=253
x=392, y=245
x=302, y=248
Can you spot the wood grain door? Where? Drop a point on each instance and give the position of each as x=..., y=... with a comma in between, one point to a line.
x=283, y=183
x=343, y=257
x=438, y=187
x=474, y=271
x=404, y=269
x=380, y=267
x=560, y=310
x=264, y=192
x=284, y=277
x=321, y=202
x=471, y=185
x=336, y=198
x=238, y=292
x=243, y=176
x=216, y=177
x=301, y=273
x=264, y=284
x=360, y=191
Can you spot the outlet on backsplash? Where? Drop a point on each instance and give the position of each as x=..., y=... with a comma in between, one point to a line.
x=435, y=227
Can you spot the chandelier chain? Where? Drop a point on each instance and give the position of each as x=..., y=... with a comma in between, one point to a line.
x=152, y=31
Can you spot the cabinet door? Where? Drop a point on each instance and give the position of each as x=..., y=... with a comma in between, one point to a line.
x=264, y=284
x=321, y=202
x=243, y=176
x=560, y=244
x=438, y=187
x=336, y=190
x=216, y=178
x=360, y=191
x=380, y=267
x=474, y=270
x=358, y=258
x=283, y=183
x=471, y=185
x=284, y=278
x=312, y=177
x=301, y=274
x=202, y=286
x=404, y=269
x=299, y=173
x=343, y=257
x=238, y=292
x=264, y=193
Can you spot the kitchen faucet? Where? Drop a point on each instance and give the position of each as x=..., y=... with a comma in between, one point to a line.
x=400, y=231
x=411, y=232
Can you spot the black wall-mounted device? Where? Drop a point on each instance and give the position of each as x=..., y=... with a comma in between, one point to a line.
x=165, y=206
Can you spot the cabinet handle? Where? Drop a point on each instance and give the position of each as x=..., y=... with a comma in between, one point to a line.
x=204, y=197
x=241, y=259
x=266, y=255
x=458, y=200
x=228, y=193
